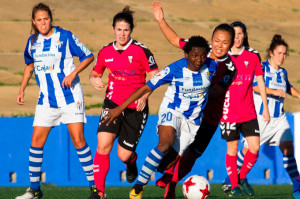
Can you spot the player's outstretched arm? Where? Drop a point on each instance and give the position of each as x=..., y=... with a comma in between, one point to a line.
x=141, y=102
x=263, y=94
x=269, y=91
x=112, y=114
x=168, y=32
x=28, y=71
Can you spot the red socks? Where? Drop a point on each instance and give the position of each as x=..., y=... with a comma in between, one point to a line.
x=183, y=166
x=101, y=167
x=249, y=161
x=170, y=170
x=232, y=172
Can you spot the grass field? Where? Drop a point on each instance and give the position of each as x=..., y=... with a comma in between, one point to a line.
x=53, y=192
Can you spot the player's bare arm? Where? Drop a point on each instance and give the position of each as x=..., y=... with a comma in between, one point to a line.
x=28, y=71
x=263, y=94
x=112, y=114
x=280, y=93
x=168, y=32
x=295, y=93
x=96, y=81
x=67, y=82
x=141, y=103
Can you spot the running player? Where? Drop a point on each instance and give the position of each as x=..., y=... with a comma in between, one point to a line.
x=49, y=55
x=180, y=113
x=127, y=62
x=277, y=132
x=222, y=41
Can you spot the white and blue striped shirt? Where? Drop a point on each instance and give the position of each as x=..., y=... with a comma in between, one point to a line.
x=188, y=90
x=53, y=61
x=276, y=80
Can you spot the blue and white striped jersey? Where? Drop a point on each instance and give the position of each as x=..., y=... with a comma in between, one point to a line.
x=53, y=61
x=188, y=90
x=276, y=80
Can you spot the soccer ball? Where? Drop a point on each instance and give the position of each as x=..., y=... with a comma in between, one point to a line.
x=196, y=187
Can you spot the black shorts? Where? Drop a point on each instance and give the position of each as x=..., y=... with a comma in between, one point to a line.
x=129, y=125
x=203, y=137
x=231, y=131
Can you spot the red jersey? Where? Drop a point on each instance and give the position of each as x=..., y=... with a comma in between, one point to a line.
x=238, y=105
x=127, y=69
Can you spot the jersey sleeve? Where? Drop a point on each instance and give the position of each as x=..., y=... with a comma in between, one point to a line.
x=27, y=52
x=163, y=77
x=149, y=62
x=229, y=73
x=288, y=85
x=182, y=43
x=99, y=66
x=255, y=79
x=77, y=48
x=258, y=66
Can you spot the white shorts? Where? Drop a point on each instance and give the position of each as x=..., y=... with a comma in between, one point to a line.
x=185, y=130
x=47, y=117
x=278, y=130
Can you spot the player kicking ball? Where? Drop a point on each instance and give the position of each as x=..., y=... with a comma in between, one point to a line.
x=180, y=113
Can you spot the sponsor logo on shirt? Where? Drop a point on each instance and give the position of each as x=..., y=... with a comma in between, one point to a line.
x=124, y=73
x=192, y=96
x=151, y=61
x=44, y=68
x=109, y=60
x=226, y=105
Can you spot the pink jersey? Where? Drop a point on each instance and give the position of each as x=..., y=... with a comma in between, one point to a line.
x=127, y=69
x=239, y=106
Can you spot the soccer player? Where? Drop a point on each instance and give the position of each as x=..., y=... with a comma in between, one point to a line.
x=49, y=55
x=127, y=61
x=222, y=41
x=239, y=114
x=277, y=132
x=180, y=112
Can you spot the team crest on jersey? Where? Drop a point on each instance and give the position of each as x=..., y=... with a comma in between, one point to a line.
x=246, y=63
x=130, y=59
x=59, y=43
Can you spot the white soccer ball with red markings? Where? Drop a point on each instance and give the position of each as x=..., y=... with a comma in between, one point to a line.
x=196, y=187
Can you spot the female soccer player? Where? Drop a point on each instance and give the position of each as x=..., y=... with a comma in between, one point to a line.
x=239, y=114
x=49, y=54
x=277, y=132
x=127, y=62
x=222, y=41
x=180, y=113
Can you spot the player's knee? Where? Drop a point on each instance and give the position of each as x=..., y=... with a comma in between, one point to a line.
x=124, y=157
x=254, y=149
x=164, y=147
x=79, y=142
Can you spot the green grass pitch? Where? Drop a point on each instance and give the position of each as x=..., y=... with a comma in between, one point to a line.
x=54, y=192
